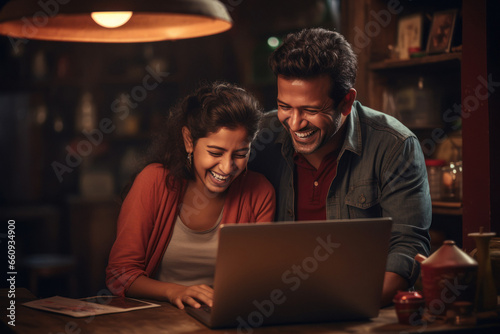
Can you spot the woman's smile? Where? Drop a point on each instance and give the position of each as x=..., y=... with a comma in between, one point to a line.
x=220, y=157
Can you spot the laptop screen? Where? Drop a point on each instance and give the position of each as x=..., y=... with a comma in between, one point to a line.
x=293, y=272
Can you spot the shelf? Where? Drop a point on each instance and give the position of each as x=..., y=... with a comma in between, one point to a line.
x=447, y=208
x=389, y=64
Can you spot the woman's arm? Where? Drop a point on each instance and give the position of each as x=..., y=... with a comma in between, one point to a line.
x=142, y=231
x=176, y=294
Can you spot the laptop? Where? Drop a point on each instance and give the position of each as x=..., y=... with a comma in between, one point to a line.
x=297, y=272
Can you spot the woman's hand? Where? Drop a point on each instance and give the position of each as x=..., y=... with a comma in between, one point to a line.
x=176, y=294
x=191, y=295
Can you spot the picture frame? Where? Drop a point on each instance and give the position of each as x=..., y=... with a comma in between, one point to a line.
x=441, y=32
x=410, y=34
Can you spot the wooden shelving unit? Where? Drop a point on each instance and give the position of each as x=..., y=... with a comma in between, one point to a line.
x=412, y=62
x=457, y=77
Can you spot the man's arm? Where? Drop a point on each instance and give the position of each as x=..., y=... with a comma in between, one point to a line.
x=405, y=198
x=392, y=284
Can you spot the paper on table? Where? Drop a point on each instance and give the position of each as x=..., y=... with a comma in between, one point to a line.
x=91, y=306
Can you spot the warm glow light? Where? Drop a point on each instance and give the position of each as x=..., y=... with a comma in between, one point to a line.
x=273, y=42
x=111, y=19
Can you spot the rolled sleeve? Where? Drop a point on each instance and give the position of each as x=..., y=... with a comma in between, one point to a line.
x=405, y=198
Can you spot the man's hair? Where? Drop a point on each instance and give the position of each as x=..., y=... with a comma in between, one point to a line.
x=314, y=52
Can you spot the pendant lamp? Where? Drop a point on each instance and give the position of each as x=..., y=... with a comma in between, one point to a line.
x=113, y=21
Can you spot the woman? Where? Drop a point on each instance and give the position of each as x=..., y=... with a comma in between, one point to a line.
x=167, y=236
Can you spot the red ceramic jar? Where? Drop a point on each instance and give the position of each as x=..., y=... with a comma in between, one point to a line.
x=448, y=276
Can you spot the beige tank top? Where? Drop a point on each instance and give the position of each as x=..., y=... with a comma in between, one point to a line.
x=190, y=255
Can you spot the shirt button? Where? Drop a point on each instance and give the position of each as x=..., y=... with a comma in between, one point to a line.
x=316, y=183
x=362, y=199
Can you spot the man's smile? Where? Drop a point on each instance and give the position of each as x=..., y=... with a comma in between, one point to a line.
x=305, y=134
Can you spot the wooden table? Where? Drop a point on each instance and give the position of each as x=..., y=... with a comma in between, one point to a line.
x=169, y=319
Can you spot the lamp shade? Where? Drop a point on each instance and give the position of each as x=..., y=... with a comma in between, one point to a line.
x=70, y=20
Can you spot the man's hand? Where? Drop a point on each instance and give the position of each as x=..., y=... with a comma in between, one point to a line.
x=191, y=295
x=392, y=283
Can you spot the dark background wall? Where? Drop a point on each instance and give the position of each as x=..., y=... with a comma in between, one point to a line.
x=63, y=170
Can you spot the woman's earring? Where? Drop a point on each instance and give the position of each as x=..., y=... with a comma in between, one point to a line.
x=190, y=161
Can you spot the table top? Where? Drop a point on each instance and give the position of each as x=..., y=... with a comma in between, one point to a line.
x=169, y=319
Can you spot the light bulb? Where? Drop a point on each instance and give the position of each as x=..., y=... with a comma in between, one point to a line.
x=111, y=19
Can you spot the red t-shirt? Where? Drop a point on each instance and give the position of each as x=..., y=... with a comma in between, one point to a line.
x=313, y=185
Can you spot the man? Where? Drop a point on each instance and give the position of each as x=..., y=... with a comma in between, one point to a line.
x=329, y=157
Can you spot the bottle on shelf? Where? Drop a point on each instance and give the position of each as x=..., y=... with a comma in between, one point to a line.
x=452, y=178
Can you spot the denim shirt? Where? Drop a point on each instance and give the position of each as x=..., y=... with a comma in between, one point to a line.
x=381, y=173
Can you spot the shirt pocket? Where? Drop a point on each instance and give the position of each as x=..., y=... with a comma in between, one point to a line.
x=363, y=200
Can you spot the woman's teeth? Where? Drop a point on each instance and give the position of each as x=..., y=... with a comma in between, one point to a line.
x=219, y=177
x=304, y=134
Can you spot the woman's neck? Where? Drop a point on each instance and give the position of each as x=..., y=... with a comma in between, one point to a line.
x=200, y=208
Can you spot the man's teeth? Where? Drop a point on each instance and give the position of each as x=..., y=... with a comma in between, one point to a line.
x=219, y=177
x=304, y=134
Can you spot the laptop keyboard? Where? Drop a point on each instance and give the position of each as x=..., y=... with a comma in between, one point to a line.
x=206, y=308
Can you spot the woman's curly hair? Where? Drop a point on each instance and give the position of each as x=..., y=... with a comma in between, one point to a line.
x=206, y=110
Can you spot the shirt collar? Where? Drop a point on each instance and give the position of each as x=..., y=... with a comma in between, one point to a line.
x=284, y=139
x=353, y=141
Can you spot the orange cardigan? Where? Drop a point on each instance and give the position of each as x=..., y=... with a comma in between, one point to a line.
x=150, y=210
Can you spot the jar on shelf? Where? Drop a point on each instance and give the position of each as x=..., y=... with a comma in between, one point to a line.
x=434, y=167
x=451, y=189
